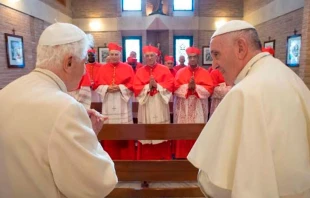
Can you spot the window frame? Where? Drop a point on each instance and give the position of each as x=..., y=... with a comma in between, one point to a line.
x=191, y=10
x=123, y=10
x=124, y=38
x=191, y=41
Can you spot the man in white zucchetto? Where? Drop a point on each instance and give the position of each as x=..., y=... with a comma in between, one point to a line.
x=48, y=140
x=257, y=142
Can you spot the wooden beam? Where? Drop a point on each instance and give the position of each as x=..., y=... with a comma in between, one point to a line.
x=158, y=192
x=155, y=170
x=150, y=131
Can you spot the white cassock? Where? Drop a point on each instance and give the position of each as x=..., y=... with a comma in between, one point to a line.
x=257, y=143
x=47, y=145
x=116, y=106
x=83, y=95
x=154, y=109
x=191, y=109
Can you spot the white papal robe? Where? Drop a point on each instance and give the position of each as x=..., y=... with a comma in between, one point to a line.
x=47, y=145
x=257, y=143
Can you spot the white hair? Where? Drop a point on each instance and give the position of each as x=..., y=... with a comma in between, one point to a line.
x=49, y=57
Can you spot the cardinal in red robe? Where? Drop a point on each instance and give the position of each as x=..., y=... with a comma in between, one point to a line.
x=153, y=87
x=115, y=85
x=193, y=87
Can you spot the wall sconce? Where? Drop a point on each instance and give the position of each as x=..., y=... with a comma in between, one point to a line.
x=95, y=25
x=219, y=23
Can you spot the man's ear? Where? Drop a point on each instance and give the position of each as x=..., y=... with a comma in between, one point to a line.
x=67, y=64
x=242, y=47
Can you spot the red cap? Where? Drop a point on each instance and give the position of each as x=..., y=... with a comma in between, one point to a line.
x=91, y=51
x=150, y=48
x=268, y=49
x=192, y=50
x=169, y=58
x=114, y=46
x=131, y=60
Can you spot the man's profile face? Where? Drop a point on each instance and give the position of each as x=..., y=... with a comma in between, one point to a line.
x=114, y=56
x=192, y=59
x=182, y=60
x=224, y=59
x=91, y=57
x=150, y=58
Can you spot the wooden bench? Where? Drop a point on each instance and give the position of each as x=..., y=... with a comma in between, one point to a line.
x=156, y=172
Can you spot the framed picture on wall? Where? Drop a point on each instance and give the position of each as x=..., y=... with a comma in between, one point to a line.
x=206, y=56
x=103, y=53
x=293, y=50
x=15, y=51
x=271, y=44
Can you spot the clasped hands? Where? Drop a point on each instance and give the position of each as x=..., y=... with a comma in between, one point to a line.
x=113, y=88
x=152, y=84
x=192, y=84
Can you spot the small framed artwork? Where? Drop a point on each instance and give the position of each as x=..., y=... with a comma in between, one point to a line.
x=103, y=53
x=293, y=50
x=206, y=56
x=270, y=44
x=15, y=51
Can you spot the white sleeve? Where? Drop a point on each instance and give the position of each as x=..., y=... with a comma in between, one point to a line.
x=126, y=94
x=220, y=91
x=202, y=92
x=102, y=90
x=164, y=93
x=181, y=92
x=143, y=97
x=81, y=168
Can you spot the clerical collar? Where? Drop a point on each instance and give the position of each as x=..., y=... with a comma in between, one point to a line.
x=244, y=72
x=52, y=76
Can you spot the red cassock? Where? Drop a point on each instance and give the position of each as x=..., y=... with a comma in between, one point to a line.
x=123, y=74
x=210, y=69
x=217, y=77
x=85, y=81
x=178, y=67
x=203, y=78
x=139, y=65
x=93, y=70
x=162, y=76
x=173, y=72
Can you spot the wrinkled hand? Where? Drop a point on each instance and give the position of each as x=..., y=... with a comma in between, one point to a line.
x=113, y=88
x=192, y=84
x=97, y=120
x=153, y=83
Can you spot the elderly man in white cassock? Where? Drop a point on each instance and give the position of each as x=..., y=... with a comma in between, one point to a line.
x=48, y=142
x=261, y=148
